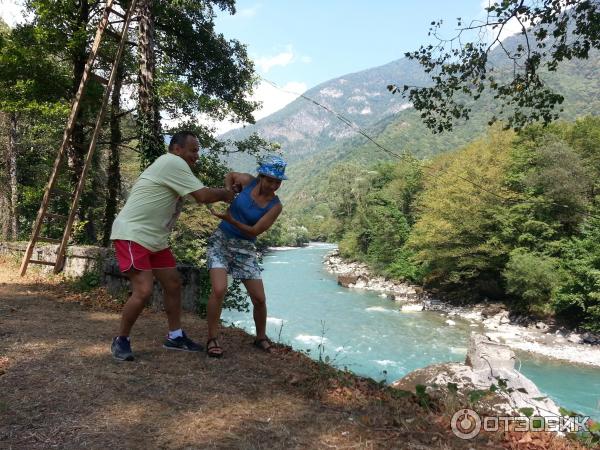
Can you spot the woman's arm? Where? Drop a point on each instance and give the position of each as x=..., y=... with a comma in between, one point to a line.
x=236, y=181
x=259, y=227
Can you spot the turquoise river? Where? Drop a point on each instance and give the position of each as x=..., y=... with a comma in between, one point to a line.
x=371, y=337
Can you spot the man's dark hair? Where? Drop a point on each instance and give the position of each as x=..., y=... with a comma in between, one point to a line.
x=180, y=138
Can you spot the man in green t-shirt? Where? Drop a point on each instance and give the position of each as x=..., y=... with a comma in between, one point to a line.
x=141, y=231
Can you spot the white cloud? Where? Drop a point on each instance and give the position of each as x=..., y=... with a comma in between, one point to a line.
x=281, y=59
x=272, y=99
x=248, y=13
x=513, y=26
x=12, y=12
x=510, y=28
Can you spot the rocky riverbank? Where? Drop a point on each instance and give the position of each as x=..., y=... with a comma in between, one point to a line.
x=518, y=332
x=487, y=363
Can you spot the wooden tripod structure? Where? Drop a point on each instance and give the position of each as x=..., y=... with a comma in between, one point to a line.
x=125, y=16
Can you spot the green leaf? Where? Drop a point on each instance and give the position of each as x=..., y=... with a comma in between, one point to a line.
x=399, y=393
x=476, y=395
x=527, y=411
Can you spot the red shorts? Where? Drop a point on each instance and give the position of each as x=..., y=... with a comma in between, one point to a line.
x=132, y=255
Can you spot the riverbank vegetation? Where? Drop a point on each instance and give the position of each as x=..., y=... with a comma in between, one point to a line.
x=511, y=216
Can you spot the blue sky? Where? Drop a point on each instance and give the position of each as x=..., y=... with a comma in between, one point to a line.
x=299, y=44
x=329, y=38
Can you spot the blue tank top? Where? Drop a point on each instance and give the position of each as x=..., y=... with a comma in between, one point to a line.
x=245, y=210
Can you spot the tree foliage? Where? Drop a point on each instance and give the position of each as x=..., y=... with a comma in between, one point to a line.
x=456, y=233
x=512, y=216
x=461, y=70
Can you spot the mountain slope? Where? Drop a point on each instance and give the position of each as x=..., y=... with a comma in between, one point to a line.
x=313, y=139
x=303, y=128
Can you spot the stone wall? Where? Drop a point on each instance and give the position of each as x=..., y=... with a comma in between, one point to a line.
x=84, y=259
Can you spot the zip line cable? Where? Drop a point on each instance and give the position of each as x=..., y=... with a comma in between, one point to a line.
x=406, y=153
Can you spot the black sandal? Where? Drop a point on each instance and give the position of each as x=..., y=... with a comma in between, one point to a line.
x=215, y=351
x=258, y=343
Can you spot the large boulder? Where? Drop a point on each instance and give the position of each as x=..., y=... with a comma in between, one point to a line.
x=347, y=280
x=484, y=354
x=488, y=363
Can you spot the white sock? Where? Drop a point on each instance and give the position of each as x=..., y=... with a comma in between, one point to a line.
x=175, y=333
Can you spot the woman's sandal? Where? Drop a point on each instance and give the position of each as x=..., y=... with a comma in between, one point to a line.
x=215, y=351
x=264, y=344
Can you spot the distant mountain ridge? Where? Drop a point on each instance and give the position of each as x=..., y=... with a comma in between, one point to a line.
x=313, y=139
x=302, y=127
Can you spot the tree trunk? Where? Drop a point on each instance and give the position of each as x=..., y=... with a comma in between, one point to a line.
x=151, y=143
x=79, y=58
x=78, y=148
x=114, y=169
x=4, y=184
x=12, y=175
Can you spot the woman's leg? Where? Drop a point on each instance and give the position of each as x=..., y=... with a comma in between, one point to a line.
x=256, y=291
x=218, y=282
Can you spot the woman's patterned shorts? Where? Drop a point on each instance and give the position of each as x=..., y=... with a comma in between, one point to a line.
x=238, y=256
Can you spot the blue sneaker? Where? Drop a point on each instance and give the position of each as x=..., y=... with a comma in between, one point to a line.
x=121, y=349
x=182, y=343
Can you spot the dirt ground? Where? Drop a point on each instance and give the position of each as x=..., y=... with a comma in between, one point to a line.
x=60, y=388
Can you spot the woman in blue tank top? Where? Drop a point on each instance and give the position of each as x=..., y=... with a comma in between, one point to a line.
x=231, y=249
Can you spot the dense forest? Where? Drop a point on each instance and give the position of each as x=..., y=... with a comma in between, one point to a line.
x=513, y=216
x=175, y=63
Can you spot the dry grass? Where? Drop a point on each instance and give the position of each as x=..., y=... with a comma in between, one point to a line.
x=60, y=388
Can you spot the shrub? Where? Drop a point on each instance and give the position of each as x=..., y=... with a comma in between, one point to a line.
x=578, y=297
x=530, y=277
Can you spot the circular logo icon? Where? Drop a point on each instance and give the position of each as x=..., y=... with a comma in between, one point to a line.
x=466, y=423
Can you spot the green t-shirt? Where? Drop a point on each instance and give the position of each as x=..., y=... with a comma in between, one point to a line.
x=155, y=202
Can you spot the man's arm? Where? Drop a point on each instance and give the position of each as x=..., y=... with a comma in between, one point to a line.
x=212, y=195
x=259, y=227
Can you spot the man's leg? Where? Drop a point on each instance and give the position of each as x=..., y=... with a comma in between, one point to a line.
x=256, y=291
x=142, y=284
x=141, y=290
x=170, y=281
x=218, y=282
